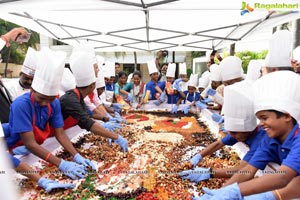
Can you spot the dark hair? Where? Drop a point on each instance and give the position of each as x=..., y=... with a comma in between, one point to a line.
x=281, y=114
x=121, y=73
x=163, y=64
x=273, y=69
x=137, y=73
x=117, y=63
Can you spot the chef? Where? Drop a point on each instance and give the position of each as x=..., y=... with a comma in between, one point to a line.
x=36, y=115
x=18, y=87
x=181, y=84
x=279, y=55
x=72, y=104
x=154, y=86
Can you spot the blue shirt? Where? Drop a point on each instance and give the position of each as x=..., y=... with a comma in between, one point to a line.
x=21, y=117
x=16, y=162
x=271, y=150
x=109, y=87
x=173, y=98
x=151, y=86
x=253, y=142
x=191, y=97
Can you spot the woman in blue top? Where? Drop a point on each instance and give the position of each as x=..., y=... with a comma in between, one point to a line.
x=137, y=88
x=119, y=91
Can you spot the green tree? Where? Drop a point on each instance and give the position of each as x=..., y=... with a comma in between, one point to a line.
x=16, y=53
x=246, y=56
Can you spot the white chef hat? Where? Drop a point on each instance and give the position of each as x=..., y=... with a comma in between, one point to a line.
x=231, y=68
x=280, y=46
x=82, y=66
x=49, y=71
x=278, y=91
x=30, y=62
x=296, y=54
x=100, y=80
x=239, y=107
x=171, y=70
x=254, y=70
x=151, y=67
x=86, y=47
x=182, y=69
x=100, y=60
x=215, y=73
x=193, y=80
x=68, y=80
x=109, y=69
x=203, y=81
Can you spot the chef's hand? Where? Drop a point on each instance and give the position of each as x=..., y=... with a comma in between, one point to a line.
x=200, y=105
x=230, y=192
x=206, y=100
x=119, y=118
x=49, y=185
x=83, y=161
x=174, y=110
x=122, y=142
x=111, y=126
x=72, y=169
x=196, y=175
x=217, y=118
x=117, y=107
x=186, y=110
x=21, y=150
x=196, y=159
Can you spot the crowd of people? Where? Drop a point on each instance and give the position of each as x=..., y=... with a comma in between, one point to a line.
x=260, y=109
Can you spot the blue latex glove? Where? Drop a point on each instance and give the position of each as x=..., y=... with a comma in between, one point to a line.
x=111, y=126
x=176, y=84
x=157, y=102
x=21, y=150
x=162, y=97
x=109, y=141
x=186, y=110
x=119, y=118
x=211, y=92
x=117, y=107
x=72, y=169
x=196, y=175
x=111, y=119
x=49, y=185
x=122, y=142
x=208, y=194
x=196, y=198
x=217, y=118
x=223, y=129
x=230, y=192
x=262, y=196
x=196, y=159
x=206, y=100
x=175, y=109
x=83, y=161
x=129, y=97
x=201, y=105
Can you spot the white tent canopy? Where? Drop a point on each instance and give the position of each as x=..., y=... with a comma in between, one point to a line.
x=146, y=25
